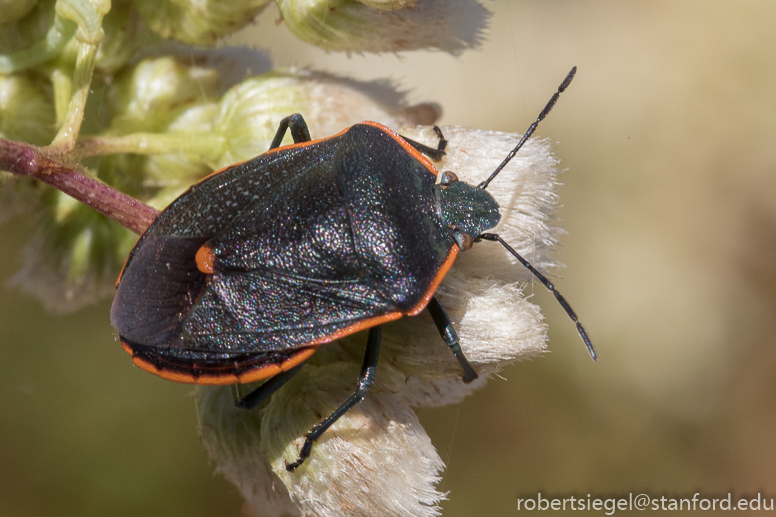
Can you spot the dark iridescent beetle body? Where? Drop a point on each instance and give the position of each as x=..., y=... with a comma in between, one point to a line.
x=248, y=272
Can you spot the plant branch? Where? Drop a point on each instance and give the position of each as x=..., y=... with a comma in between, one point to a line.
x=27, y=160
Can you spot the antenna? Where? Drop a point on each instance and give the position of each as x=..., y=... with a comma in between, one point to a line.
x=548, y=285
x=532, y=128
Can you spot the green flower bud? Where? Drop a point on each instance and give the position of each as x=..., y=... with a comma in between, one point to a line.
x=13, y=10
x=382, y=26
x=27, y=29
x=251, y=111
x=26, y=111
x=198, y=22
x=123, y=34
x=152, y=94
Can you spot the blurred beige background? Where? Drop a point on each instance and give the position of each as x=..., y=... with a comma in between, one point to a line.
x=669, y=201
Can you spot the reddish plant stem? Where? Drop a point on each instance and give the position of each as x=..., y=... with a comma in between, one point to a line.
x=27, y=160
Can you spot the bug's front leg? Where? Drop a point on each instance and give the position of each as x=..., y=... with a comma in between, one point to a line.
x=298, y=127
x=434, y=154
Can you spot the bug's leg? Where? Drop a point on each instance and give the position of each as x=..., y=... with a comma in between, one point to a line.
x=434, y=154
x=450, y=336
x=365, y=380
x=298, y=127
x=254, y=398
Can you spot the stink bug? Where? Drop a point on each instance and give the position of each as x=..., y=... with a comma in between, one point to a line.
x=252, y=269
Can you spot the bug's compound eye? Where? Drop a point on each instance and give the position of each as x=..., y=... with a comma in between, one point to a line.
x=464, y=240
x=448, y=177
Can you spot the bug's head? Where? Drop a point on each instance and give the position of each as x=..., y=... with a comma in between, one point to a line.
x=467, y=210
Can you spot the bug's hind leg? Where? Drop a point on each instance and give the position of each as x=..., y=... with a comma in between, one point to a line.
x=365, y=380
x=434, y=154
x=450, y=336
x=298, y=127
x=254, y=398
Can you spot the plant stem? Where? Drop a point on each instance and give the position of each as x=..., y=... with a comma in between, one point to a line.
x=27, y=160
x=207, y=146
x=82, y=78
